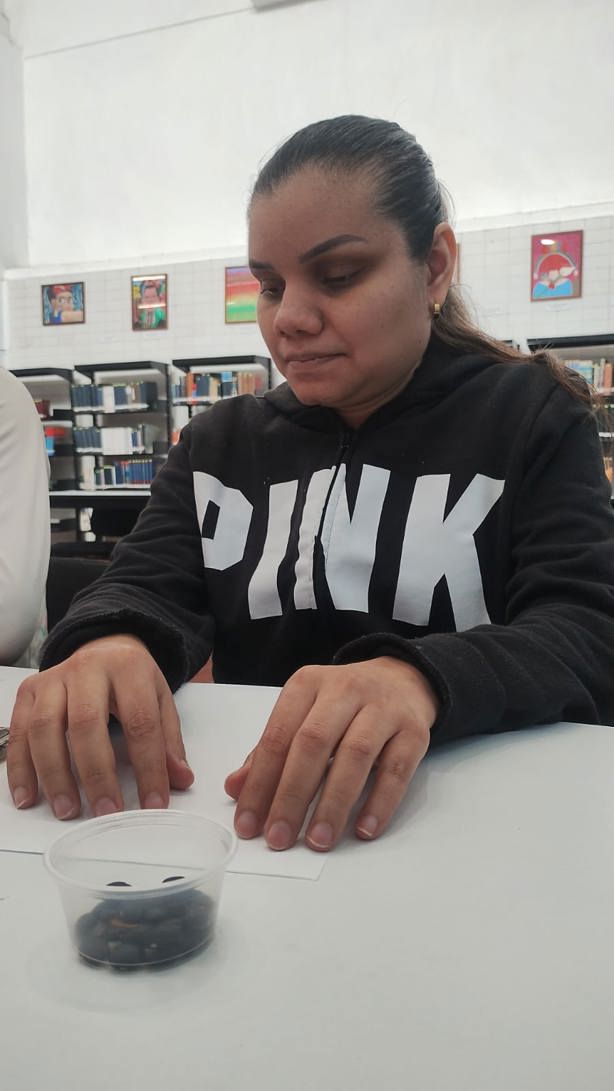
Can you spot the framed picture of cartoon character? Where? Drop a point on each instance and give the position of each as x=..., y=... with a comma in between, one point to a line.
x=556, y=265
x=149, y=297
x=63, y=304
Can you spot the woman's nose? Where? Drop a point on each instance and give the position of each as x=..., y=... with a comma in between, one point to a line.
x=296, y=313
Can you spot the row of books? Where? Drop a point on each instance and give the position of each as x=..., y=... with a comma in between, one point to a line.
x=112, y=396
x=114, y=441
x=222, y=385
x=137, y=472
x=599, y=373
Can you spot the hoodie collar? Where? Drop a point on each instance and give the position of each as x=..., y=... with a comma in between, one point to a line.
x=439, y=372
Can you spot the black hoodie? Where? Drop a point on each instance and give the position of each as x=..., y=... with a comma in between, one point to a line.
x=465, y=527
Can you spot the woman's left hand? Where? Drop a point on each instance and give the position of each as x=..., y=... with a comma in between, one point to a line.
x=379, y=711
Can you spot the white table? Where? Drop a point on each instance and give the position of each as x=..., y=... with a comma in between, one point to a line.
x=470, y=949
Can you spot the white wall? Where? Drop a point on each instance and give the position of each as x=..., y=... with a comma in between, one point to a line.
x=13, y=234
x=196, y=324
x=143, y=138
x=495, y=270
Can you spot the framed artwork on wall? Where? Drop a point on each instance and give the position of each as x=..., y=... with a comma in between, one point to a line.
x=240, y=294
x=63, y=304
x=556, y=265
x=149, y=301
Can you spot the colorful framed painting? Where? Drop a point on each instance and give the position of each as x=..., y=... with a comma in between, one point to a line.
x=556, y=265
x=63, y=304
x=149, y=302
x=240, y=294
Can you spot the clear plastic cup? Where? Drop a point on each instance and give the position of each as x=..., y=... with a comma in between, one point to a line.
x=141, y=888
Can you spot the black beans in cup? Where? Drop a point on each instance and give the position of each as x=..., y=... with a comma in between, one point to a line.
x=123, y=933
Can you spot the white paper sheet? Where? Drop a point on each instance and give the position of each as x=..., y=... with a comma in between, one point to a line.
x=220, y=726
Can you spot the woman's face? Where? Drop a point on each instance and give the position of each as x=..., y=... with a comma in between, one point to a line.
x=344, y=311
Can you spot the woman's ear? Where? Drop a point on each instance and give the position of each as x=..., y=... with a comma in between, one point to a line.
x=441, y=262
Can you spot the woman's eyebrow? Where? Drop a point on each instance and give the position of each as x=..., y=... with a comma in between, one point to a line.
x=329, y=244
x=315, y=251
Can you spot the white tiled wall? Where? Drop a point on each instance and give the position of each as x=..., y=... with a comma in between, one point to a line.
x=494, y=271
x=196, y=324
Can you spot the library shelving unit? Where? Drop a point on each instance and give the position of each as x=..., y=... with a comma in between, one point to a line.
x=198, y=382
x=590, y=347
x=593, y=357
x=122, y=424
x=50, y=388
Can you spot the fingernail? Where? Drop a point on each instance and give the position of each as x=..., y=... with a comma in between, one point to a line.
x=367, y=826
x=63, y=807
x=246, y=824
x=104, y=806
x=188, y=769
x=20, y=796
x=321, y=836
x=279, y=835
x=154, y=801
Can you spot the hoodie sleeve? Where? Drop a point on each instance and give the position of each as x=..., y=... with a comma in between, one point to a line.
x=552, y=658
x=154, y=587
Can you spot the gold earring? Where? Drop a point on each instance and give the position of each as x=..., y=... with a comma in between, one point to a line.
x=436, y=310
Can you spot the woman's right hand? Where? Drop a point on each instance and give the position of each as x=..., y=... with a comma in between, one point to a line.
x=63, y=714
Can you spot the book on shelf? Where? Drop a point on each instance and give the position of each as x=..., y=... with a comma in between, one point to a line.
x=599, y=373
x=115, y=441
x=109, y=397
x=120, y=474
x=123, y=474
x=225, y=384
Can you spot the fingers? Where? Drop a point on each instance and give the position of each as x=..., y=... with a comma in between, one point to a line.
x=87, y=706
x=60, y=724
x=329, y=728
x=269, y=758
x=21, y=774
x=347, y=776
x=150, y=723
x=397, y=764
x=233, y=785
x=38, y=753
x=305, y=768
x=179, y=773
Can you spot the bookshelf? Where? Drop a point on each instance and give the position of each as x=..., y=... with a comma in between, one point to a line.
x=122, y=424
x=592, y=356
x=199, y=382
x=50, y=390
x=109, y=427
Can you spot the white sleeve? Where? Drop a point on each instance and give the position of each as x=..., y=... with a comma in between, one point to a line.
x=24, y=518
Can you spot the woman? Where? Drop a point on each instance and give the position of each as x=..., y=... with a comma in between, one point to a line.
x=412, y=536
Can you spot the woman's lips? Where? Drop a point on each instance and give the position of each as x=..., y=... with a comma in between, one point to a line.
x=305, y=361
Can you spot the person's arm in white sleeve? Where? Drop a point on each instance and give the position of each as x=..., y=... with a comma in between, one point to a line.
x=24, y=518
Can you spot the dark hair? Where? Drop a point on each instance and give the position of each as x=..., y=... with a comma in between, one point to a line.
x=408, y=193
